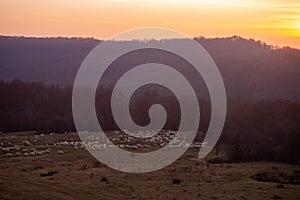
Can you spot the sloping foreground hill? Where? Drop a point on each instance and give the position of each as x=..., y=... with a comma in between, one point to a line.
x=66, y=172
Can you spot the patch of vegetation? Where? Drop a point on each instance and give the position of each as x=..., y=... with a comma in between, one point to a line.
x=176, y=181
x=274, y=175
x=277, y=197
x=217, y=160
x=84, y=167
x=103, y=179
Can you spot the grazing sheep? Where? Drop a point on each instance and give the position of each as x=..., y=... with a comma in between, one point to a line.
x=204, y=144
x=60, y=152
x=47, y=150
x=65, y=143
x=6, y=149
x=17, y=147
x=27, y=142
x=18, y=153
x=8, y=155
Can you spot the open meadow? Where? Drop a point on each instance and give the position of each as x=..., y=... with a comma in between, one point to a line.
x=57, y=166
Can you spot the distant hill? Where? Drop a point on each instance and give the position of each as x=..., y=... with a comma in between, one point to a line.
x=49, y=60
x=250, y=69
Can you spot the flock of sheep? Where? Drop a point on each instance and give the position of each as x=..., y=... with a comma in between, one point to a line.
x=25, y=148
x=94, y=142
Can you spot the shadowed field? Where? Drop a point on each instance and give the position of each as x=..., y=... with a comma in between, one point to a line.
x=62, y=169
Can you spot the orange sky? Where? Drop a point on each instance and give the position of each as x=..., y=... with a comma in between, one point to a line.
x=276, y=22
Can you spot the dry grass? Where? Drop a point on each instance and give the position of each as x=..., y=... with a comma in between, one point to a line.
x=79, y=176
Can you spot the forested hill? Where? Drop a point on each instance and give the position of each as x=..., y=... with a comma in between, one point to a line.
x=49, y=60
x=250, y=69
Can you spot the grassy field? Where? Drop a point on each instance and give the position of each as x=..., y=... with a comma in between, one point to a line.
x=68, y=172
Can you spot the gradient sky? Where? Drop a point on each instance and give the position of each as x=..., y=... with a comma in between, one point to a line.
x=276, y=22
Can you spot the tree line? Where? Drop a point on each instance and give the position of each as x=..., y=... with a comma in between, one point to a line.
x=254, y=130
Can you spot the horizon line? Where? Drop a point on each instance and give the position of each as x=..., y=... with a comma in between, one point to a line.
x=273, y=47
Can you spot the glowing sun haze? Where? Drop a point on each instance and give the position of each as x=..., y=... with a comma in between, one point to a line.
x=276, y=22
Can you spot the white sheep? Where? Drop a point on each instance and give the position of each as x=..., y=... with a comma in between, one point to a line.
x=60, y=152
x=8, y=155
x=17, y=147
x=39, y=152
x=27, y=142
x=18, y=153
x=47, y=150
x=6, y=149
x=204, y=144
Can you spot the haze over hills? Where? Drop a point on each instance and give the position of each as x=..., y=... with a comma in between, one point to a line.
x=250, y=69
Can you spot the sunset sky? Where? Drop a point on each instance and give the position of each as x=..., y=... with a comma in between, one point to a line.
x=276, y=22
